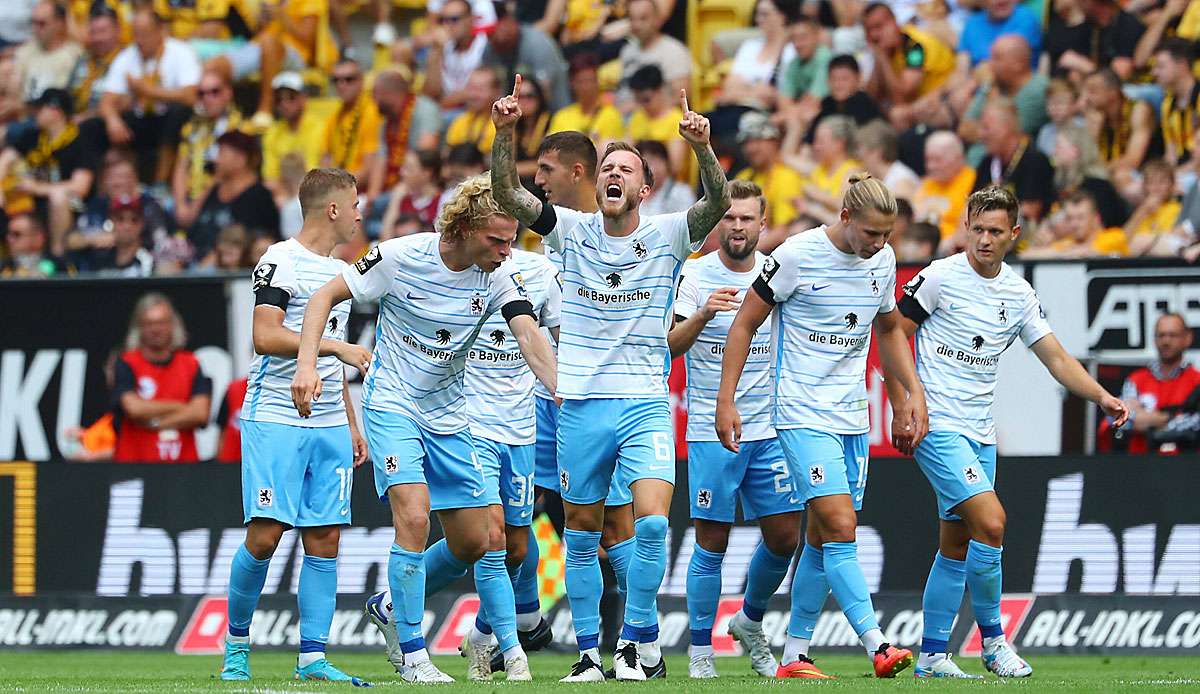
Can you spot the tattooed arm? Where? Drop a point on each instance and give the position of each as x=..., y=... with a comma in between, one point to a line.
x=704, y=215
x=506, y=185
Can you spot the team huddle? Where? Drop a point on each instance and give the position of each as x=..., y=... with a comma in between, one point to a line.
x=497, y=373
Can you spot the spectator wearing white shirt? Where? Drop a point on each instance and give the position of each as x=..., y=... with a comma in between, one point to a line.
x=45, y=61
x=649, y=46
x=455, y=51
x=668, y=194
x=149, y=93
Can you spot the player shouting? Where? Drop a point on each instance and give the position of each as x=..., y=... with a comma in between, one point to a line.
x=829, y=285
x=297, y=472
x=710, y=290
x=620, y=271
x=435, y=292
x=965, y=311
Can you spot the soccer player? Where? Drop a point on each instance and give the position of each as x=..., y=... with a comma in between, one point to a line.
x=499, y=389
x=965, y=311
x=620, y=271
x=298, y=472
x=435, y=292
x=710, y=289
x=829, y=284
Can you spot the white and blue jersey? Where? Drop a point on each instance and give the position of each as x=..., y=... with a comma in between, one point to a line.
x=539, y=388
x=429, y=316
x=288, y=274
x=701, y=277
x=826, y=301
x=964, y=323
x=617, y=296
x=499, y=385
x=298, y=471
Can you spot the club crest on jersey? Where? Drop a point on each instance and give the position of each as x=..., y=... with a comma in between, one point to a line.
x=443, y=336
x=368, y=261
x=263, y=274
x=564, y=480
x=266, y=496
x=497, y=338
x=519, y=281
x=390, y=464
x=971, y=475
x=977, y=343
x=851, y=320
x=477, y=305
x=639, y=249
x=613, y=279
x=1002, y=314
x=816, y=474
x=875, y=286
x=704, y=498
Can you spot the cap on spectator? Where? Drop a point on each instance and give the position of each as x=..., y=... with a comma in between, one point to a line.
x=240, y=140
x=58, y=98
x=125, y=203
x=755, y=125
x=288, y=80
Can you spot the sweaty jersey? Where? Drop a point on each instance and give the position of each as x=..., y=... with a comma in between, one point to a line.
x=617, y=296
x=965, y=322
x=701, y=277
x=539, y=388
x=826, y=301
x=429, y=316
x=287, y=276
x=498, y=383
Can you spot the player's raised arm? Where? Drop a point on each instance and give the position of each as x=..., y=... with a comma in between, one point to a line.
x=705, y=214
x=306, y=385
x=506, y=185
x=750, y=316
x=1070, y=373
x=910, y=422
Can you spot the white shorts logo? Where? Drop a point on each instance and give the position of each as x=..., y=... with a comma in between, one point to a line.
x=265, y=496
x=390, y=464
x=704, y=498
x=564, y=480
x=816, y=474
x=971, y=475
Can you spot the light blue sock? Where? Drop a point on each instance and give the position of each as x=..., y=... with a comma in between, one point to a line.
x=246, y=578
x=849, y=585
x=442, y=567
x=985, y=580
x=809, y=590
x=943, y=596
x=584, y=584
x=496, y=598
x=525, y=588
x=619, y=556
x=703, y=592
x=317, y=598
x=406, y=579
x=766, y=572
x=646, y=571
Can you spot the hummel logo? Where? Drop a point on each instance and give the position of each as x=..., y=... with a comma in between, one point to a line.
x=817, y=288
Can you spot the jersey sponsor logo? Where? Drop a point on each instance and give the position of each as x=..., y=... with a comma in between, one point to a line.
x=390, y=464
x=850, y=343
x=704, y=498
x=497, y=337
x=914, y=286
x=606, y=298
x=613, y=279
x=639, y=249
x=263, y=275
x=439, y=354
x=488, y=356
x=266, y=497
x=443, y=336
x=977, y=342
x=851, y=320
x=719, y=349
x=476, y=306
x=368, y=261
x=987, y=361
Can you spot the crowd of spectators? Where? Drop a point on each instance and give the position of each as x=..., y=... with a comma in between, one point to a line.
x=151, y=136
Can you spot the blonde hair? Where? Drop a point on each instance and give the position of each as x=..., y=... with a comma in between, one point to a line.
x=133, y=338
x=865, y=193
x=744, y=189
x=469, y=208
x=318, y=184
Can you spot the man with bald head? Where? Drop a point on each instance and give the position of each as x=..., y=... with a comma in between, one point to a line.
x=994, y=19
x=1012, y=160
x=1012, y=77
x=942, y=195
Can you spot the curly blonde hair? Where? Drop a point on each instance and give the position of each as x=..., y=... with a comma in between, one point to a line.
x=470, y=206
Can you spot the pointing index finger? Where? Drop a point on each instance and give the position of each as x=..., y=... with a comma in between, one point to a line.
x=683, y=98
x=517, y=86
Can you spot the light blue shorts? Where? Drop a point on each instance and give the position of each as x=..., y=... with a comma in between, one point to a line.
x=508, y=470
x=545, y=473
x=758, y=473
x=603, y=440
x=825, y=464
x=404, y=453
x=958, y=467
x=299, y=476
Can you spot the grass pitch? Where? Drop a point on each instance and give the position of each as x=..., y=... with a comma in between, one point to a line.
x=154, y=672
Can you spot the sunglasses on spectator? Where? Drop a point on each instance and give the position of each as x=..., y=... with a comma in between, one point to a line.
x=340, y=79
x=451, y=18
x=210, y=92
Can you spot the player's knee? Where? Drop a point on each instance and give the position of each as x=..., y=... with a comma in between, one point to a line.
x=651, y=528
x=469, y=548
x=991, y=530
x=515, y=553
x=783, y=543
x=415, y=521
x=839, y=528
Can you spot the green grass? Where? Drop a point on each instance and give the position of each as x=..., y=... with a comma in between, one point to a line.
x=154, y=672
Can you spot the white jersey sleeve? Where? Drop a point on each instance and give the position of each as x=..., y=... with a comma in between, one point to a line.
x=565, y=220
x=687, y=295
x=1033, y=323
x=507, y=286
x=781, y=271
x=371, y=276
x=551, y=314
x=675, y=227
x=922, y=293
x=287, y=276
